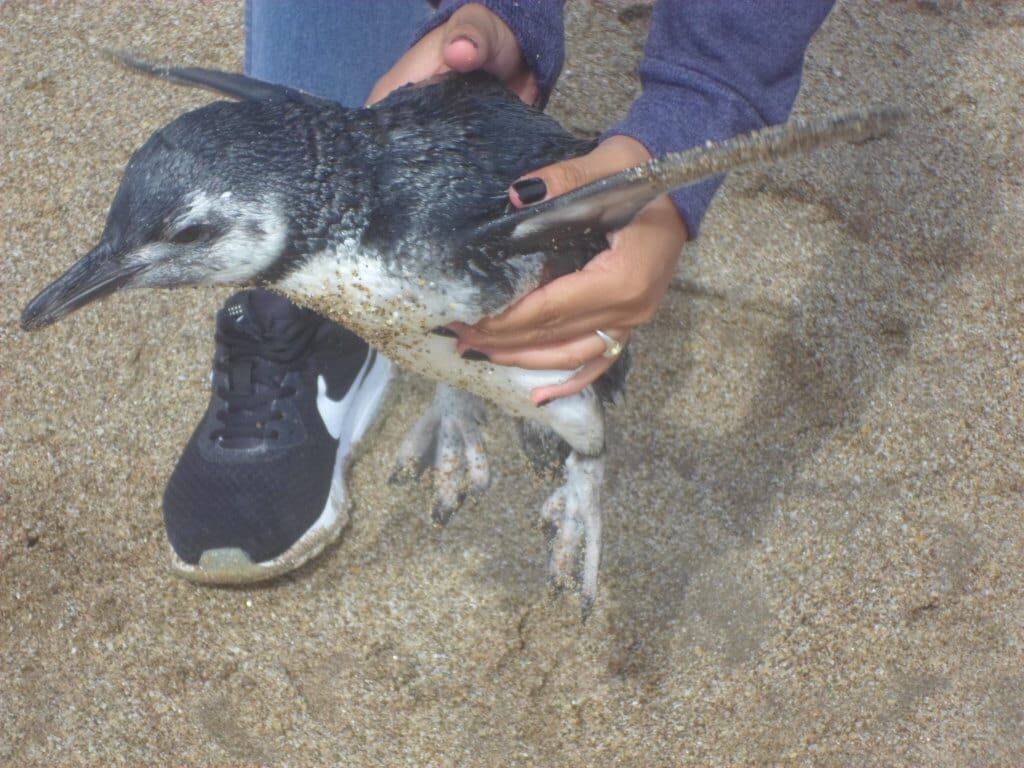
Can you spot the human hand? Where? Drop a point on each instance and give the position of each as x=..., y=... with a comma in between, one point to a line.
x=552, y=328
x=473, y=38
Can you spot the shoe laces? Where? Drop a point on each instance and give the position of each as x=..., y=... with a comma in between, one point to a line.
x=256, y=361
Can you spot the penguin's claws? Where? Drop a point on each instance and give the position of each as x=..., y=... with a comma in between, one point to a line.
x=408, y=470
x=571, y=517
x=586, y=608
x=417, y=444
x=550, y=529
x=447, y=440
x=442, y=512
x=555, y=586
x=440, y=515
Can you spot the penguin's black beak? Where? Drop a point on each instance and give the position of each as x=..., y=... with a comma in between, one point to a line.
x=99, y=273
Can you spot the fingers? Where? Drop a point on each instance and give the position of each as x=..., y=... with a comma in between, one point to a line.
x=566, y=356
x=611, y=156
x=526, y=88
x=466, y=47
x=554, y=180
x=619, y=288
x=585, y=355
x=582, y=379
x=420, y=62
x=556, y=312
x=553, y=326
x=473, y=38
x=464, y=54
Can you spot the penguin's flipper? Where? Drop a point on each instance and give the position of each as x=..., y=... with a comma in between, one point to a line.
x=227, y=83
x=609, y=203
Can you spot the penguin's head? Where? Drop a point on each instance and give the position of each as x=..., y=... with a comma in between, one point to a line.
x=198, y=203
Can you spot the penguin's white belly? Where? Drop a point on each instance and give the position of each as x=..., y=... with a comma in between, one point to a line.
x=395, y=314
x=577, y=419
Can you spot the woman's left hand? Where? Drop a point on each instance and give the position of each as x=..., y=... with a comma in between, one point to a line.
x=553, y=327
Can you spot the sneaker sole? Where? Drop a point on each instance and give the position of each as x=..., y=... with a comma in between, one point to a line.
x=231, y=565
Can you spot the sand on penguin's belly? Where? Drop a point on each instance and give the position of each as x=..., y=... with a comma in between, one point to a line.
x=395, y=315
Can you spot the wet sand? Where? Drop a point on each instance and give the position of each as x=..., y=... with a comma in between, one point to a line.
x=814, y=549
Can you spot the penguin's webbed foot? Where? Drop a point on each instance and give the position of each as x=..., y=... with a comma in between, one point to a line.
x=447, y=440
x=572, y=517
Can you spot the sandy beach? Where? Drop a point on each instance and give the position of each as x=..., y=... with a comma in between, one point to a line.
x=814, y=509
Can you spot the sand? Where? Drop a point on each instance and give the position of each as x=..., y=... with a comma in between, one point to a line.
x=813, y=527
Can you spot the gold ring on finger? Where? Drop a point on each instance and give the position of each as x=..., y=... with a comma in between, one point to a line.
x=612, y=347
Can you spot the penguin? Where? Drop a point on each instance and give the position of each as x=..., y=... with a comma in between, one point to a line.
x=394, y=221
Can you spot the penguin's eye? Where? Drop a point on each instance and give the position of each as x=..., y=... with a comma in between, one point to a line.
x=192, y=234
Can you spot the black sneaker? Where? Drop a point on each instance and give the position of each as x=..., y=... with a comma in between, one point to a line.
x=260, y=488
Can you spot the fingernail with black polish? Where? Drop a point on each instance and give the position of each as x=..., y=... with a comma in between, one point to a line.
x=444, y=331
x=531, y=190
x=475, y=356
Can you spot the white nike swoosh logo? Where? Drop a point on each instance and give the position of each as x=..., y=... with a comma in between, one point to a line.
x=332, y=412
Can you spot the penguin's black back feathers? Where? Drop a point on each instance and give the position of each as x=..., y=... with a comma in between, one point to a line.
x=450, y=151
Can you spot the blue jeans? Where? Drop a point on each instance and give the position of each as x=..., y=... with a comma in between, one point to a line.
x=331, y=48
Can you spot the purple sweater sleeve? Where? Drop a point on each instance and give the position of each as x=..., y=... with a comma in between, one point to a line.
x=713, y=69
x=537, y=25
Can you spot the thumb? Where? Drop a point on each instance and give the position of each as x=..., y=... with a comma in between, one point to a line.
x=611, y=156
x=465, y=48
x=474, y=38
